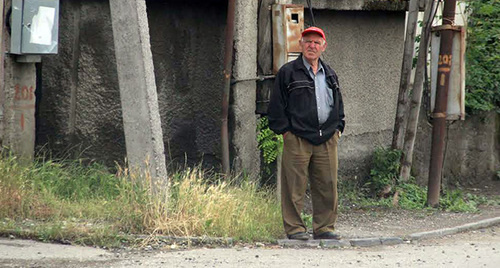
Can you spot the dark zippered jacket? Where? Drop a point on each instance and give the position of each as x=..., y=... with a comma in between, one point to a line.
x=293, y=106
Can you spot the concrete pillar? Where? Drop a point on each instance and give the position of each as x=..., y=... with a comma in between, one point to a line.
x=141, y=117
x=246, y=158
x=19, y=108
x=17, y=98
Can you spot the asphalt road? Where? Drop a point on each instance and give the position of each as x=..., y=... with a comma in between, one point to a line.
x=479, y=248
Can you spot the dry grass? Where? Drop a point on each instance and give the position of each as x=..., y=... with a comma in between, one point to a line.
x=89, y=205
x=217, y=209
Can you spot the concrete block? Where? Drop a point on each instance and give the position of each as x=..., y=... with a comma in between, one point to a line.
x=335, y=243
x=391, y=240
x=365, y=242
x=299, y=243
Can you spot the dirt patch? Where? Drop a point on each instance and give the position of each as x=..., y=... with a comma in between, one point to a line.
x=397, y=222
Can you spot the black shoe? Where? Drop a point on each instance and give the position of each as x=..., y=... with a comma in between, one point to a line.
x=327, y=235
x=299, y=236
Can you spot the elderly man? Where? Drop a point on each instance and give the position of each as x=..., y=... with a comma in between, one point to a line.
x=306, y=107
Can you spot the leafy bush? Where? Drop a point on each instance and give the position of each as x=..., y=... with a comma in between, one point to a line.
x=384, y=177
x=483, y=56
x=385, y=169
x=412, y=196
x=270, y=144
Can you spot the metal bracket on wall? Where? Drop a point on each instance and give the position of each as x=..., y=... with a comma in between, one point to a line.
x=259, y=78
x=28, y=58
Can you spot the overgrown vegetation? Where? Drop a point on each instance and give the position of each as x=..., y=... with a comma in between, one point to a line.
x=270, y=144
x=483, y=56
x=88, y=205
x=384, y=189
x=384, y=172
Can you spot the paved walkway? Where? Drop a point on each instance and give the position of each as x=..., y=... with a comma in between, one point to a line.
x=390, y=227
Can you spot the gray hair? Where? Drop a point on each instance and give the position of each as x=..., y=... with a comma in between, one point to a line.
x=322, y=43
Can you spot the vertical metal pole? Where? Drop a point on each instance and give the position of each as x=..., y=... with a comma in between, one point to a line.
x=439, y=113
x=228, y=64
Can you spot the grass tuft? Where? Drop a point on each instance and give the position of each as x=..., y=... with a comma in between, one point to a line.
x=86, y=204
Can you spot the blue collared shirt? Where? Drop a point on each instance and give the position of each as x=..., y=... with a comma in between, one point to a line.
x=324, y=95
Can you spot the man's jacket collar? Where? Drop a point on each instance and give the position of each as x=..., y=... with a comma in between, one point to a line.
x=298, y=64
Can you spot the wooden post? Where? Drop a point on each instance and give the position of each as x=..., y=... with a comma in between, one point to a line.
x=401, y=112
x=411, y=128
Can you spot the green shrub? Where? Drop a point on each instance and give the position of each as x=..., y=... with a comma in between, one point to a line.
x=483, y=56
x=385, y=169
x=270, y=144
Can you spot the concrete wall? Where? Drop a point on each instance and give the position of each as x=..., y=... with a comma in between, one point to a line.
x=365, y=49
x=80, y=110
x=80, y=113
x=80, y=104
x=393, y=5
x=472, y=152
x=187, y=40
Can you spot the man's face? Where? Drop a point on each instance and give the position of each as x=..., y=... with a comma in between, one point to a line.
x=312, y=46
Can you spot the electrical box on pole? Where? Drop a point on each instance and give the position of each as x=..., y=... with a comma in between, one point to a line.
x=34, y=28
x=288, y=24
x=456, y=91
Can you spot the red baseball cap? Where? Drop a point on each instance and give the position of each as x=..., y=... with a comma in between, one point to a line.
x=314, y=30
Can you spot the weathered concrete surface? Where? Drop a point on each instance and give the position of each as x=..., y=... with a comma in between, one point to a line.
x=393, y=5
x=80, y=111
x=33, y=250
x=141, y=117
x=188, y=60
x=472, y=154
x=473, y=249
x=19, y=108
x=17, y=104
x=188, y=56
x=243, y=121
x=365, y=49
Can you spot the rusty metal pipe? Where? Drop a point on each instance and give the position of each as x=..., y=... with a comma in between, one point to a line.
x=228, y=64
x=439, y=113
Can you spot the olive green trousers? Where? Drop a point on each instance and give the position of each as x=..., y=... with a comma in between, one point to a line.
x=318, y=163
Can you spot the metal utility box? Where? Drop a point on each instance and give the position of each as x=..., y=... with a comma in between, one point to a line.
x=456, y=92
x=34, y=27
x=288, y=24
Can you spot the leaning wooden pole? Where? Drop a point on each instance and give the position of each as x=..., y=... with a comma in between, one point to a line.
x=404, y=83
x=418, y=88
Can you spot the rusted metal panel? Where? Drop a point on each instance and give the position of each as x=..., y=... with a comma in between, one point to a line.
x=294, y=19
x=265, y=55
x=456, y=91
x=288, y=24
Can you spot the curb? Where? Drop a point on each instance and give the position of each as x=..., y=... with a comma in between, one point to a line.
x=205, y=240
x=453, y=230
x=377, y=241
